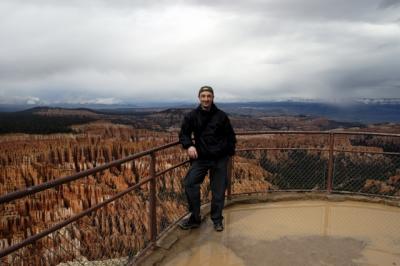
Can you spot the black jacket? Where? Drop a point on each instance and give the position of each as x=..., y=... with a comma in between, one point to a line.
x=213, y=133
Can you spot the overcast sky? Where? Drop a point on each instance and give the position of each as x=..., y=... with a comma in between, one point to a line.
x=136, y=51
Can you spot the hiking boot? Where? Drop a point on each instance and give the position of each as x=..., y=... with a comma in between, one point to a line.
x=219, y=227
x=189, y=223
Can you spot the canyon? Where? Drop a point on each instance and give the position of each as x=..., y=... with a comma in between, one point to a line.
x=122, y=227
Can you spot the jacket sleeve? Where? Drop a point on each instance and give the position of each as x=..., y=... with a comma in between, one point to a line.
x=231, y=137
x=185, y=135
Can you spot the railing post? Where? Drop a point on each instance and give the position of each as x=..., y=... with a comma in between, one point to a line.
x=153, y=207
x=230, y=168
x=330, y=163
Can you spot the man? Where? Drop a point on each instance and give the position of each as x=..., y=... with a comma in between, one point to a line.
x=214, y=143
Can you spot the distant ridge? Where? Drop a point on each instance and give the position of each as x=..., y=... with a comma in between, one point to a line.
x=361, y=110
x=58, y=111
x=371, y=112
x=175, y=111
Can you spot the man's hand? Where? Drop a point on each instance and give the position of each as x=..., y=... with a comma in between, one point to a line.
x=192, y=152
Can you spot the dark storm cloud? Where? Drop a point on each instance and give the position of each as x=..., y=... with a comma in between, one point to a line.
x=389, y=3
x=356, y=10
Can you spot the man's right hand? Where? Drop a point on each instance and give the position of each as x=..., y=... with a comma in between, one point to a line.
x=192, y=152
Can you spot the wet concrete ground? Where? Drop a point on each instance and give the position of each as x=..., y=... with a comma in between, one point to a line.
x=295, y=233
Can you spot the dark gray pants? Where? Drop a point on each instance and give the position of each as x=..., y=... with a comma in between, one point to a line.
x=218, y=182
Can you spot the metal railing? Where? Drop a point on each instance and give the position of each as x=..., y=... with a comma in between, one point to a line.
x=118, y=222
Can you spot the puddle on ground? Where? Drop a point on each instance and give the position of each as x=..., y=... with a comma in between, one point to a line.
x=210, y=253
x=296, y=233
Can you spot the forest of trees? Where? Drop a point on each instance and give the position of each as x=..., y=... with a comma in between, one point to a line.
x=387, y=144
x=304, y=171
x=24, y=122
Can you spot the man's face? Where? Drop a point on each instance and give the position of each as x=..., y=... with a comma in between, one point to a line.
x=206, y=99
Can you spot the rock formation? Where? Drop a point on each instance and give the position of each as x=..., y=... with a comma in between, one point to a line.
x=122, y=228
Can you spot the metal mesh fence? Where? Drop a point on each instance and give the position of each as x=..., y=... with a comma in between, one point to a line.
x=35, y=213
x=283, y=140
x=111, y=235
x=375, y=174
x=265, y=170
x=169, y=157
x=171, y=199
x=205, y=190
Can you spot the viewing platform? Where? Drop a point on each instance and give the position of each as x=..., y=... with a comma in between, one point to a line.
x=290, y=230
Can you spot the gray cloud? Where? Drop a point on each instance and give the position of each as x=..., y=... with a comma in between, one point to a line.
x=153, y=51
x=389, y=3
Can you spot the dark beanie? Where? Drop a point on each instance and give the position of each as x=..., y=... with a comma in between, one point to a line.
x=206, y=88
